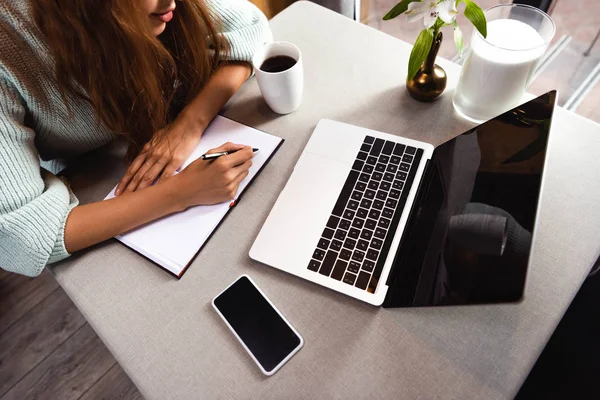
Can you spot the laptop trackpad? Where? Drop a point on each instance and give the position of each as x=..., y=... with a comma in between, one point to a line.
x=290, y=234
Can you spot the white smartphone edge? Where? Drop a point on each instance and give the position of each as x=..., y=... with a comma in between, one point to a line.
x=287, y=358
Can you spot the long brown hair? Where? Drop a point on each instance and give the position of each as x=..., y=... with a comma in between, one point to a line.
x=105, y=53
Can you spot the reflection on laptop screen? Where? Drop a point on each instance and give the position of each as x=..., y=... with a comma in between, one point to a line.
x=470, y=234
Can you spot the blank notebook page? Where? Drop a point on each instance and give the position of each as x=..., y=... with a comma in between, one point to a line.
x=174, y=240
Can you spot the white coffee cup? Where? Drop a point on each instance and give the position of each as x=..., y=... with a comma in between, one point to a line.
x=282, y=90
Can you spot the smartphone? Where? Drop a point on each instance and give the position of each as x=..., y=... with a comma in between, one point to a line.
x=259, y=326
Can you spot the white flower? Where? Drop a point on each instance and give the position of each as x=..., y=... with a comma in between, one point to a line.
x=430, y=10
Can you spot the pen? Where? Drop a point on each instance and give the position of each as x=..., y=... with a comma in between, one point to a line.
x=214, y=156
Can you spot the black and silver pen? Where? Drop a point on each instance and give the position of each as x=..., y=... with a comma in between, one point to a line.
x=214, y=156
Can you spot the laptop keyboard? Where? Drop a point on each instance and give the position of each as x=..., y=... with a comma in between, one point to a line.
x=357, y=238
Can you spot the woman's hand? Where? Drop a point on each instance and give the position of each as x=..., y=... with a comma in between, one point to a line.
x=209, y=182
x=160, y=157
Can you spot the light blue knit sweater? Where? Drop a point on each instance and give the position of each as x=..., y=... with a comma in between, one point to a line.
x=38, y=136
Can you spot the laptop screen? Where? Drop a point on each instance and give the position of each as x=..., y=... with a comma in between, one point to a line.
x=469, y=234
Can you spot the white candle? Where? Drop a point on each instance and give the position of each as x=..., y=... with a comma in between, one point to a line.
x=498, y=69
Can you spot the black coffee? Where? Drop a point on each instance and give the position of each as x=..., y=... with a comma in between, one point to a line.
x=277, y=64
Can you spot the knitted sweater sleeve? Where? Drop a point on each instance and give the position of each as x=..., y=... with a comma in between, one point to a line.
x=243, y=25
x=34, y=204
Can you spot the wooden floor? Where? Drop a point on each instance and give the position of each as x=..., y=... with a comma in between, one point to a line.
x=48, y=350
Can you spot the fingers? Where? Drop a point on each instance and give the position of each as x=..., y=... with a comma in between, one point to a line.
x=237, y=158
x=226, y=147
x=131, y=171
x=235, y=184
x=151, y=175
x=168, y=172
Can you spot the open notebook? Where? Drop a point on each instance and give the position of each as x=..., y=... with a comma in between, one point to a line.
x=173, y=241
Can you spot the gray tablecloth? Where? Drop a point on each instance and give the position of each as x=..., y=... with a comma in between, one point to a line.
x=173, y=345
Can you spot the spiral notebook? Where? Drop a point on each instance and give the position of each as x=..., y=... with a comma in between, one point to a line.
x=172, y=242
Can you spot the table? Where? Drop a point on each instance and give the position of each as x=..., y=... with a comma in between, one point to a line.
x=166, y=336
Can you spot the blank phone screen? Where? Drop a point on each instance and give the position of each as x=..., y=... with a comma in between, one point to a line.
x=268, y=337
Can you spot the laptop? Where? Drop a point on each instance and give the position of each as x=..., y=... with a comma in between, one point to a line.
x=400, y=223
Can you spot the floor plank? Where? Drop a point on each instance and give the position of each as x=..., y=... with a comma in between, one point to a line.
x=67, y=373
x=115, y=385
x=19, y=294
x=35, y=336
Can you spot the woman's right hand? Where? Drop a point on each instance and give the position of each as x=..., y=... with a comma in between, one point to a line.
x=209, y=182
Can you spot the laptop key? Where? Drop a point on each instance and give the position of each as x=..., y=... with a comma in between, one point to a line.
x=328, y=262
x=370, y=224
x=388, y=176
x=336, y=245
x=358, y=165
x=367, y=169
x=384, y=159
x=365, y=147
x=385, y=185
x=392, y=168
x=319, y=254
x=366, y=203
x=362, y=245
x=356, y=195
x=354, y=267
x=353, y=204
x=377, y=176
x=377, y=146
x=348, y=214
x=399, y=149
x=374, y=214
x=345, y=254
x=333, y=222
x=363, y=280
x=401, y=175
x=366, y=234
x=395, y=194
x=354, y=233
x=380, y=233
x=388, y=213
x=395, y=160
x=381, y=195
x=373, y=185
x=364, y=177
x=323, y=244
x=376, y=243
x=344, y=224
x=369, y=194
x=397, y=185
x=350, y=243
x=358, y=223
x=349, y=278
x=391, y=203
x=411, y=150
x=380, y=167
x=340, y=234
x=362, y=155
x=339, y=269
x=362, y=213
x=388, y=147
x=360, y=186
x=378, y=204
x=314, y=265
x=358, y=255
x=372, y=254
x=404, y=167
x=407, y=158
x=368, y=265
x=328, y=233
x=369, y=139
x=371, y=160
x=384, y=223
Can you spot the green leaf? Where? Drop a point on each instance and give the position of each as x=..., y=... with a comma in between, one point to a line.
x=458, y=40
x=419, y=52
x=398, y=9
x=475, y=15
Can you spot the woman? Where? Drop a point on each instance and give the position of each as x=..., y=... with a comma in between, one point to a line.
x=75, y=74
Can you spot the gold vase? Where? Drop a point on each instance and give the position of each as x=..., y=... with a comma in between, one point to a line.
x=430, y=80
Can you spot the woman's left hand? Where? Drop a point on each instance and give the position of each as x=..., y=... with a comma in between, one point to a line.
x=160, y=158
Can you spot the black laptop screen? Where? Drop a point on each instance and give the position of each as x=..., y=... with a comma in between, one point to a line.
x=469, y=235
